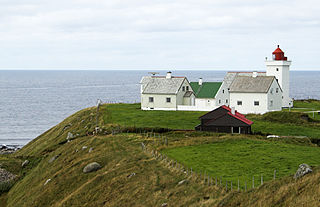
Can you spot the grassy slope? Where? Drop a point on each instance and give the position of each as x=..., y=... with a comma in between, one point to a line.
x=119, y=156
x=242, y=158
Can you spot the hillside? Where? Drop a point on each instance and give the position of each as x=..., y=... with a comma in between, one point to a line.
x=130, y=176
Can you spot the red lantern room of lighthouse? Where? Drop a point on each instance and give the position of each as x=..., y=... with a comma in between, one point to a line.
x=278, y=54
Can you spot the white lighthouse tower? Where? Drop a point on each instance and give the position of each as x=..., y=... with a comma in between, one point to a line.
x=279, y=67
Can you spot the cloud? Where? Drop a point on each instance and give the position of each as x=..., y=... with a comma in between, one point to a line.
x=141, y=34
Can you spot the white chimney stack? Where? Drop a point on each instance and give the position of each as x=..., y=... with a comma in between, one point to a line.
x=169, y=75
x=254, y=74
x=233, y=110
x=200, y=81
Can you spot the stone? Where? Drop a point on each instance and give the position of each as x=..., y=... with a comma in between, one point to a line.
x=272, y=136
x=70, y=136
x=25, y=163
x=53, y=158
x=302, y=171
x=132, y=174
x=91, y=149
x=47, y=181
x=164, y=205
x=182, y=182
x=84, y=147
x=94, y=166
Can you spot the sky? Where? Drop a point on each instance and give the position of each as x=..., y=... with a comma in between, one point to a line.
x=157, y=34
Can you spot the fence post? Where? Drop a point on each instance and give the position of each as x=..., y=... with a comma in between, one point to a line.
x=226, y=185
x=252, y=181
x=238, y=184
x=261, y=179
x=274, y=174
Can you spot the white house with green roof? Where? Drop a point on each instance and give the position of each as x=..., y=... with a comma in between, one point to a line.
x=210, y=95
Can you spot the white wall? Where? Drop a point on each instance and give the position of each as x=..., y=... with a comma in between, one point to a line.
x=248, y=99
x=181, y=93
x=275, y=97
x=223, y=95
x=159, y=102
x=283, y=77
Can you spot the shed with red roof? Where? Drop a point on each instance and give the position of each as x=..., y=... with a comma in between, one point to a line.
x=226, y=120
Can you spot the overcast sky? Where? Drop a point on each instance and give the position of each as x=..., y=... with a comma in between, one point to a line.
x=157, y=34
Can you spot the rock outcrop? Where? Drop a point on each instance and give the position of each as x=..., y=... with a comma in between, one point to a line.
x=302, y=171
x=94, y=166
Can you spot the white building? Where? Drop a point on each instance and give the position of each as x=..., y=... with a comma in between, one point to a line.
x=165, y=92
x=210, y=95
x=255, y=94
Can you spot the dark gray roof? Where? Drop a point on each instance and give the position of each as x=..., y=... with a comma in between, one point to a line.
x=163, y=85
x=247, y=84
x=188, y=94
x=230, y=76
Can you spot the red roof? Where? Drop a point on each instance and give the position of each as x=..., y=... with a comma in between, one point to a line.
x=279, y=54
x=238, y=115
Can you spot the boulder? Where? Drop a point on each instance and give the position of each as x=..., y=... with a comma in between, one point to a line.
x=6, y=176
x=302, y=171
x=25, y=163
x=70, y=136
x=94, y=166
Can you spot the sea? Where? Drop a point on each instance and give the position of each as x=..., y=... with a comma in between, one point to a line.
x=32, y=102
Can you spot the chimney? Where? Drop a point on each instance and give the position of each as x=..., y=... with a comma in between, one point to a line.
x=233, y=110
x=254, y=74
x=200, y=81
x=169, y=75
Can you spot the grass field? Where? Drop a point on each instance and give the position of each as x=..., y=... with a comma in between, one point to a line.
x=132, y=115
x=234, y=159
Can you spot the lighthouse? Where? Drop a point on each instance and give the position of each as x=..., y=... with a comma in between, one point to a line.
x=279, y=67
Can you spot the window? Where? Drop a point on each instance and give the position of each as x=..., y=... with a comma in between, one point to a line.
x=223, y=91
x=271, y=103
x=150, y=99
x=168, y=100
x=219, y=101
x=256, y=103
x=226, y=100
x=277, y=90
x=183, y=88
x=187, y=87
x=239, y=103
x=277, y=69
x=271, y=90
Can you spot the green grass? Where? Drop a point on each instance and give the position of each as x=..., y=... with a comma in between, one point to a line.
x=242, y=159
x=131, y=115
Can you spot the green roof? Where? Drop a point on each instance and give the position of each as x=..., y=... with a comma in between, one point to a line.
x=206, y=90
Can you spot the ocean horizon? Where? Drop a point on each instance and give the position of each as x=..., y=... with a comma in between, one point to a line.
x=33, y=101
